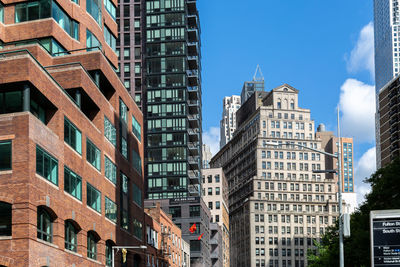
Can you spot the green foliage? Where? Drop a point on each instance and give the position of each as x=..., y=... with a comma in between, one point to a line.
x=385, y=194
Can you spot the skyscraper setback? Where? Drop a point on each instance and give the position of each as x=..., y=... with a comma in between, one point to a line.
x=230, y=105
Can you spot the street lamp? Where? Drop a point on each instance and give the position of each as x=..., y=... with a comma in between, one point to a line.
x=339, y=172
x=124, y=247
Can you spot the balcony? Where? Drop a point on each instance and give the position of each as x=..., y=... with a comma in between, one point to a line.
x=194, y=189
x=194, y=120
x=193, y=48
x=191, y=6
x=193, y=134
x=193, y=62
x=194, y=106
x=192, y=20
x=193, y=34
x=194, y=160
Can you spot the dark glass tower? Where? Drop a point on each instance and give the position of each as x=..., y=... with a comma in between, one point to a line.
x=173, y=98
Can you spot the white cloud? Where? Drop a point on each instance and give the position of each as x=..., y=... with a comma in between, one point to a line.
x=357, y=104
x=362, y=55
x=211, y=138
x=365, y=166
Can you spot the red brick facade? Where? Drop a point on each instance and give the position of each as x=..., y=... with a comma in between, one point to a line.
x=53, y=78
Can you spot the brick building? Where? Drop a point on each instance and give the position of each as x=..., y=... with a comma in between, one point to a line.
x=164, y=238
x=70, y=138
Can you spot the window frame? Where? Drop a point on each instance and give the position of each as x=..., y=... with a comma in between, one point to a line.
x=41, y=233
x=70, y=244
x=3, y=143
x=72, y=127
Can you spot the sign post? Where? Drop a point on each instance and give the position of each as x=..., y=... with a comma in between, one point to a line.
x=385, y=238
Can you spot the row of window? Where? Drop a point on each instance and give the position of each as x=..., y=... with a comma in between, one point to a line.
x=290, y=176
x=287, y=218
x=217, y=205
x=295, y=207
x=285, y=116
x=286, y=230
x=289, y=166
x=175, y=211
x=290, y=155
x=293, y=187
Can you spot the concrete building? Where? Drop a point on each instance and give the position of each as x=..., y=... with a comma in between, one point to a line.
x=230, y=105
x=389, y=115
x=216, y=249
x=164, y=237
x=215, y=195
x=206, y=156
x=71, y=175
x=277, y=206
x=186, y=212
x=330, y=144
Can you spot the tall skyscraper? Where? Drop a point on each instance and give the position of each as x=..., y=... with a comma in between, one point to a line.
x=387, y=41
x=71, y=143
x=387, y=53
x=230, y=105
x=257, y=84
x=277, y=205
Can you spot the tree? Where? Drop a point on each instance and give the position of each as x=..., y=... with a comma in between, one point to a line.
x=385, y=194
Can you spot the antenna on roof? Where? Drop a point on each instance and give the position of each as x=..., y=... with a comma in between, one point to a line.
x=260, y=76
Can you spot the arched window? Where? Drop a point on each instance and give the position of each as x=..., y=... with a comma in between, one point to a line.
x=291, y=104
x=279, y=104
x=92, y=240
x=109, y=245
x=5, y=219
x=44, y=225
x=71, y=236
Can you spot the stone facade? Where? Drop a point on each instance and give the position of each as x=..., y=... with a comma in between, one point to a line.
x=277, y=206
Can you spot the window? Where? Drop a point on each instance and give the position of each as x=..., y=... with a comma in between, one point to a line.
x=195, y=245
x=1, y=13
x=109, y=252
x=72, y=136
x=5, y=219
x=93, y=198
x=194, y=211
x=123, y=111
x=109, y=131
x=110, y=170
x=46, y=165
x=217, y=205
x=71, y=241
x=217, y=191
x=32, y=10
x=175, y=212
x=92, y=246
x=93, y=154
x=137, y=162
x=110, y=38
x=5, y=155
x=110, y=209
x=209, y=191
x=92, y=43
x=137, y=228
x=217, y=178
x=72, y=183
x=137, y=194
x=44, y=225
x=93, y=7
x=111, y=9
x=136, y=128
x=66, y=23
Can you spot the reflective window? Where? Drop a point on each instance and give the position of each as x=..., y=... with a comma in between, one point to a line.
x=46, y=165
x=44, y=225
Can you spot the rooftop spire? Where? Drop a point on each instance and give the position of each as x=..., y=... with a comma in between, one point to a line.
x=259, y=77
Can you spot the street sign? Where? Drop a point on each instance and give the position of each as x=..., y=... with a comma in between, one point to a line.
x=385, y=238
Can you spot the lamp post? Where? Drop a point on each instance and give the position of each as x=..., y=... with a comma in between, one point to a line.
x=339, y=173
x=124, y=247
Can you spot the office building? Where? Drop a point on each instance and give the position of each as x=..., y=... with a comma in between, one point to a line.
x=216, y=247
x=389, y=113
x=206, y=156
x=215, y=195
x=230, y=105
x=277, y=205
x=387, y=53
x=330, y=144
x=71, y=175
x=255, y=85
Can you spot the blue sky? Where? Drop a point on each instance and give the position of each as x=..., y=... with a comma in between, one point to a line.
x=322, y=48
